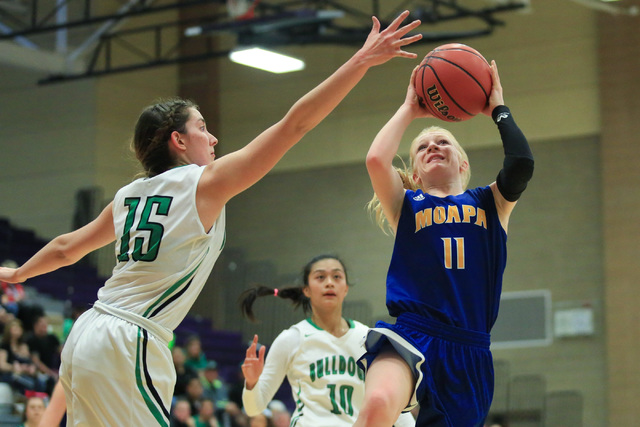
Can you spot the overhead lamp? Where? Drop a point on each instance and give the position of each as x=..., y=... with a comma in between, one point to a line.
x=267, y=60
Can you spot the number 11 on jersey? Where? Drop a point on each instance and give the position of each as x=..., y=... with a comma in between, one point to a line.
x=458, y=242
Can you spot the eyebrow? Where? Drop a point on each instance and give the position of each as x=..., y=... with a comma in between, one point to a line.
x=322, y=270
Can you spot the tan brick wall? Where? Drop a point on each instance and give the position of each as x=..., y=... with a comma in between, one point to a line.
x=619, y=63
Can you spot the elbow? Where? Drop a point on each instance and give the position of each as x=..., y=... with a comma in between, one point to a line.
x=514, y=177
x=374, y=161
x=61, y=249
x=526, y=166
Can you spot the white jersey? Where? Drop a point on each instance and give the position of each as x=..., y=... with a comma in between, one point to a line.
x=326, y=383
x=164, y=254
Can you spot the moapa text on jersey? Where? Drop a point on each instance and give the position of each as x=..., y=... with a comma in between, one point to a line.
x=334, y=365
x=453, y=213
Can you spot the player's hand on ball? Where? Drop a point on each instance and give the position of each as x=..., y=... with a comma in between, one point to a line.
x=412, y=99
x=496, y=98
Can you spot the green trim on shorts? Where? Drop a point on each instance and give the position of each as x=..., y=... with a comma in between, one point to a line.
x=157, y=414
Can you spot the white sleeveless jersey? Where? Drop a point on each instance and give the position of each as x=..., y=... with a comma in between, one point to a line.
x=164, y=255
x=326, y=383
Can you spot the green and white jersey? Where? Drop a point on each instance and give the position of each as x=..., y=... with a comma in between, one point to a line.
x=164, y=254
x=326, y=383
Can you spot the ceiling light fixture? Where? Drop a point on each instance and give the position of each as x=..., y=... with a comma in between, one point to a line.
x=266, y=60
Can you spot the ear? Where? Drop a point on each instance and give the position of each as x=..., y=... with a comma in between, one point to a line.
x=176, y=141
x=464, y=166
x=306, y=291
x=416, y=178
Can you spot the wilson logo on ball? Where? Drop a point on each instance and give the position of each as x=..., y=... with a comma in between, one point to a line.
x=454, y=82
x=438, y=104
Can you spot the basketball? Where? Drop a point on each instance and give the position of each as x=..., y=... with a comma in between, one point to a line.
x=454, y=82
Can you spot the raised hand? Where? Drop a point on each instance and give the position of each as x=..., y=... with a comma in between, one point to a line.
x=412, y=100
x=495, y=98
x=253, y=364
x=9, y=275
x=381, y=46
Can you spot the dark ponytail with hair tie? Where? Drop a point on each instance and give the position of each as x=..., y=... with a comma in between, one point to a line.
x=293, y=293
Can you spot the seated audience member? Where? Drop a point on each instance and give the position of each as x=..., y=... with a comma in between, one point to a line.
x=45, y=347
x=206, y=416
x=181, y=414
x=12, y=293
x=263, y=419
x=45, y=351
x=16, y=366
x=279, y=413
x=184, y=373
x=33, y=410
x=196, y=358
x=194, y=393
x=215, y=388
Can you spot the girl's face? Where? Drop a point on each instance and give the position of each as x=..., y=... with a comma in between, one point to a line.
x=16, y=330
x=34, y=409
x=198, y=140
x=207, y=409
x=194, y=348
x=182, y=410
x=435, y=158
x=327, y=284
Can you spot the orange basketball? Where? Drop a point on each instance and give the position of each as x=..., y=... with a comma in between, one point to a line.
x=454, y=82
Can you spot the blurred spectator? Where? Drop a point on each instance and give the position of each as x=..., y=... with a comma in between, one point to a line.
x=236, y=386
x=183, y=373
x=54, y=414
x=12, y=293
x=214, y=387
x=181, y=414
x=206, y=416
x=234, y=416
x=45, y=347
x=33, y=410
x=16, y=366
x=194, y=393
x=196, y=358
x=263, y=419
x=5, y=317
x=279, y=413
x=71, y=315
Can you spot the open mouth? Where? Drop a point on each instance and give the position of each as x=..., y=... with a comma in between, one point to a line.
x=435, y=157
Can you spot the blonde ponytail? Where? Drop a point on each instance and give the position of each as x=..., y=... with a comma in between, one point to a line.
x=375, y=208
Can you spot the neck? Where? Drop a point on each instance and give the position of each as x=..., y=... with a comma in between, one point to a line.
x=333, y=323
x=444, y=189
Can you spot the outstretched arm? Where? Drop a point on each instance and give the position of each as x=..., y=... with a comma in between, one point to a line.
x=385, y=180
x=237, y=171
x=65, y=249
x=518, y=164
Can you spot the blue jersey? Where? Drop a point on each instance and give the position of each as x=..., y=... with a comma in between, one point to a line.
x=448, y=260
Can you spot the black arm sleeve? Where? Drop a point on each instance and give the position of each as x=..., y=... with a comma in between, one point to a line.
x=517, y=168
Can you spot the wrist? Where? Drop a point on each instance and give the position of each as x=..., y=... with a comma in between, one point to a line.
x=249, y=385
x=497, y=110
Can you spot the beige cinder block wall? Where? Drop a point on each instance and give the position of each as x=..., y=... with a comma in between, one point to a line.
x=620, y=151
